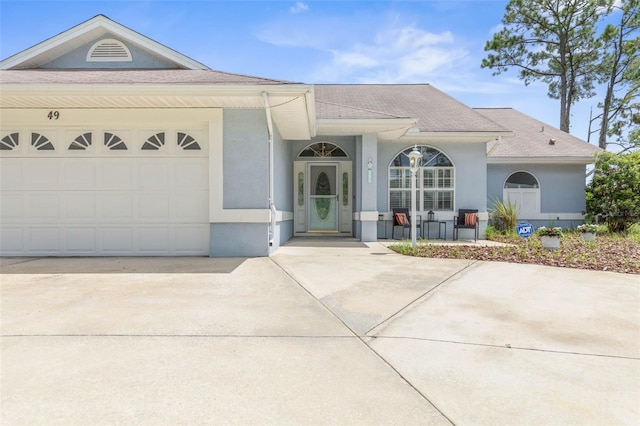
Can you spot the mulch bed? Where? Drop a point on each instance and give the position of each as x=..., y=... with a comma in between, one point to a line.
x=606, y=253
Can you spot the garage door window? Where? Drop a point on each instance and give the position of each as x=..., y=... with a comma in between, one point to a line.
x=41, y=143
x=187, y=142
x=82, y=142
x=154, y=142
x=10, y=142
x=113, y=142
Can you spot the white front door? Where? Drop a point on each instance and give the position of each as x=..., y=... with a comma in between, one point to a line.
x=322, y=197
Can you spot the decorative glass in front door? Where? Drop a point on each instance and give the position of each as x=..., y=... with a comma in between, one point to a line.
x=323, y=212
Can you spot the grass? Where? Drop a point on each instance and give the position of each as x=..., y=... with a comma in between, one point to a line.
x=609, y=252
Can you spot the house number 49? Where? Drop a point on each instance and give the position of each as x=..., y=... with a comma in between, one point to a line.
x=53, y=115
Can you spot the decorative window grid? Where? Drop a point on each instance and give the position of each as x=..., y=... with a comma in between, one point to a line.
x=10, y=142
x=300, y=189
x=187, y=142
x=323, y=150
x=113, y=142
x=41, y=142
x=82, y=142
x=154, y=142
x=435, y=181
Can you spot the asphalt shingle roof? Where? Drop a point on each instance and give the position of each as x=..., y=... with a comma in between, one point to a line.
x=531, y=137
x=434, y=110
x=173, y=76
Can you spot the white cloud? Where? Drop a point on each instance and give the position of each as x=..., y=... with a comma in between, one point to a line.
x=299, y=7
x=396, y=55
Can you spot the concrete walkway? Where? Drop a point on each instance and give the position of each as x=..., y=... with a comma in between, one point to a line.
x=320, y=333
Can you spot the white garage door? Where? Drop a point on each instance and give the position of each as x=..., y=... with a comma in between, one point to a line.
x=104, y=192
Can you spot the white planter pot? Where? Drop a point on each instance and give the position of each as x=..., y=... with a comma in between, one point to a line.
x=588, y=236
x=550, y=243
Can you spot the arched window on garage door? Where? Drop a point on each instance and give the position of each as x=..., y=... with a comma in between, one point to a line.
x=523, y=189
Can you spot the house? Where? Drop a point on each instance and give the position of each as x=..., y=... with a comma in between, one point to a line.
x=114, y=144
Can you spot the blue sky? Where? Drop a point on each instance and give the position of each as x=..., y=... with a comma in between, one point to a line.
x=440, y=42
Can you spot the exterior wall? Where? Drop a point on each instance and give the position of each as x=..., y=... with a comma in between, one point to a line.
x=245, y=159
x=562, y=191
x=283, y=187
x=78, y=59
x=239, y=240
x=239, y=223
x=469, y=160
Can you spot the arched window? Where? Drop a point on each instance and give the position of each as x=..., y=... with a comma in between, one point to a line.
x=521, y=180
x=523, y=189
x=323, y=150
x=436, y=181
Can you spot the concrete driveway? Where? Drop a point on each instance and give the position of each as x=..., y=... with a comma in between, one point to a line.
x=338, y=334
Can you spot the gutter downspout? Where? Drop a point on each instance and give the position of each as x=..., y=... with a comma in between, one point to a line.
x=272, y=207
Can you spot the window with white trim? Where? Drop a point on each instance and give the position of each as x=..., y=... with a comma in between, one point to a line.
x=322, y=150
x=435, y=181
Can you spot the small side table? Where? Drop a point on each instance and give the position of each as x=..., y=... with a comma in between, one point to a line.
x=384, y=225
x=440, y=223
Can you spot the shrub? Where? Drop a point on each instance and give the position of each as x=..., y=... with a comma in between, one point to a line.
x=614, y=191
x=634, y=232
x=491, y=232
x=505, y=216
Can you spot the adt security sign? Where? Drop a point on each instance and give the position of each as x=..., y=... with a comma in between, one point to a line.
x=524, y=229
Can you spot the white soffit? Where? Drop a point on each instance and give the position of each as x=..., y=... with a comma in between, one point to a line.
x=85, y=33
x=540, y=160
x=387, y=129
x=289, y=108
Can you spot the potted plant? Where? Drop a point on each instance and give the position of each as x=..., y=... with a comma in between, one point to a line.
x=587, y=231
x=550, y=237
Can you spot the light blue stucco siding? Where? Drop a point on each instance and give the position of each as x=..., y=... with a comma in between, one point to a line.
x=141, y=59
x=283, y=187
x=366, y=149
x=562, y=189
x=469, y=160
x=246, y=159
x=245, y=184
x=239, y=240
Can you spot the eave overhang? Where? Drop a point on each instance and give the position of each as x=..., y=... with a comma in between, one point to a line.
x=386, y=129
x=400, y=129
x=292, y=105
x=459, y=137
x=541, y=160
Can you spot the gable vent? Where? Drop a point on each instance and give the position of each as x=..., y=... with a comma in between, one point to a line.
x=109, y=50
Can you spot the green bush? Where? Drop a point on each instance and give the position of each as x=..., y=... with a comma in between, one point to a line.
x=491, y=232
x=634, y=232
x=614, y=191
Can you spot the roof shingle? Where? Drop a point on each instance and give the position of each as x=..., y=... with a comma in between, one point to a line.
x=177, y=76
x=434, y=110
x=531, y=138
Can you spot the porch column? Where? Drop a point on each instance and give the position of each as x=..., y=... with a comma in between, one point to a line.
x=367, y=158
